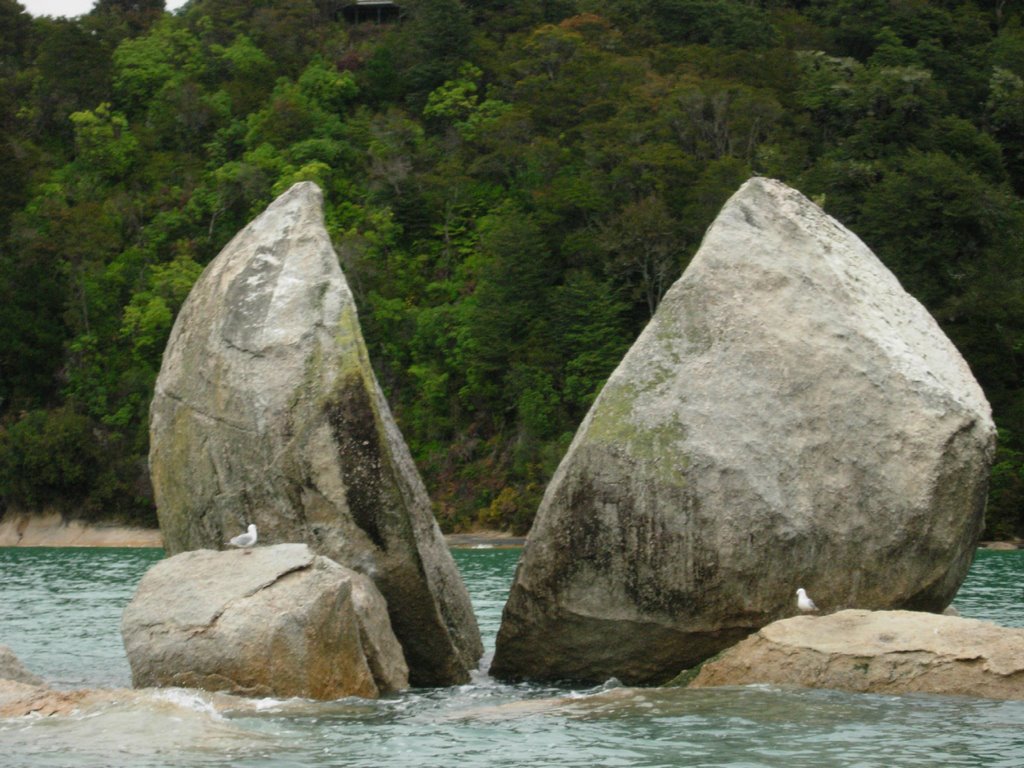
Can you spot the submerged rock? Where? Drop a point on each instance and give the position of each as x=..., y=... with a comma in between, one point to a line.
x=790, y=417
x=275, y=621
x=267, y=411
x=25, y=700
x=877, y=652
x=12, y=669
x=22, y=699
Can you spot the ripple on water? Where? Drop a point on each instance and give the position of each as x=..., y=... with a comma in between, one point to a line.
x=994, y=589
x=61, y=610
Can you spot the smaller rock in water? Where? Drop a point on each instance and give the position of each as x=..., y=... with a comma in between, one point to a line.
x=274, y=621
x=890, y=652
x=11, y=668
x=36, y=700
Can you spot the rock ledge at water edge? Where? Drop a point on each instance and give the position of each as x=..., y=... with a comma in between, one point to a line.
x=12, y=669
x=274, y=621
x=891, y=652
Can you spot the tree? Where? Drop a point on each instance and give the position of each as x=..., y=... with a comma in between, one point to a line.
x=507, y=308
x=712, y=120
x=32, y=330
x=17, y=40
x=104, y=145
x=644, y=250
x=594, y=335
x=1005, y=107
x=432, y=46
x=126, y=18
x=72, y=73
x=938, y=225
x=721, y=23
x=168, y=55
x=47, y=457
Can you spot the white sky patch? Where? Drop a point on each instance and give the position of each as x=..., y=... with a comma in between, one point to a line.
x=71, y=8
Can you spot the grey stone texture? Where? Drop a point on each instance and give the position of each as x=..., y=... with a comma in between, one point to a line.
x=789, y=417
x=267, y=411
x=12, y=669
x=891, y=652
x=273, y=621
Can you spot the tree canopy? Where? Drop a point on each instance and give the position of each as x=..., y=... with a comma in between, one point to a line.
x=511, y=188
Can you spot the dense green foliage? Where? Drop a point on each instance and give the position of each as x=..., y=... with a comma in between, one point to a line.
x=511, y=188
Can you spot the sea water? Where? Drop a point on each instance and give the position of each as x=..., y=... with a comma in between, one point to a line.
x=60, y=611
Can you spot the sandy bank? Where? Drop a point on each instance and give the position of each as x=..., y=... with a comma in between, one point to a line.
x=484, y=540
x=1002, y=545
x=51, y=530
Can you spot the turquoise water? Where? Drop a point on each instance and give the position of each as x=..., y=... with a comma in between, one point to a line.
x=60, y=610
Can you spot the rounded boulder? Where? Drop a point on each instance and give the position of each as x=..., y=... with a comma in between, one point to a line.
x=272, y=621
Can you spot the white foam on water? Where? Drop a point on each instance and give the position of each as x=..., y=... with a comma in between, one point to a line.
x=188, y=699
x=608, y=685
x=491, y=724
x=265, y=705
x=131, y=728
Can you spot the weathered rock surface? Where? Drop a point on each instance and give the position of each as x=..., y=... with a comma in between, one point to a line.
x=25, y=700
x=267, y=411
x=20, y=699
x=789, y=417
x=877, y=652
x=11, y=668
x=276, y=621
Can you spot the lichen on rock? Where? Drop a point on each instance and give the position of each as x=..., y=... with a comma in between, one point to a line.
x=273, y=621
x=789, y=417
x=266, y=410
x=892, y=652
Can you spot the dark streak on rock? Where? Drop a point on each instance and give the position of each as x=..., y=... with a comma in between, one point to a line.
x=351, y=417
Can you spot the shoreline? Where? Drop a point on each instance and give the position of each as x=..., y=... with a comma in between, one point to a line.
x=52, y=530
x=484, y=540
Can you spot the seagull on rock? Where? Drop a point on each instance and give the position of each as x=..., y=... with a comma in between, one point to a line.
x=245, y=540
x=803, y=602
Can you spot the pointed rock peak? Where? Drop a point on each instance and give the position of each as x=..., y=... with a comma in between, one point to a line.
x=306, y=192
x=789, y=417
x=303, y=195
x=302, y=199
x=773, y=232
x=267, y=411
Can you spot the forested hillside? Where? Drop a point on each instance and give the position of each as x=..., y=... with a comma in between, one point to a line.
x=511, y=188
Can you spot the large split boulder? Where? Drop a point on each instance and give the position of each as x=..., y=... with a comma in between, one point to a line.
x=789, y=417
x=266, y=411
x=273, y=621
x=891, y=652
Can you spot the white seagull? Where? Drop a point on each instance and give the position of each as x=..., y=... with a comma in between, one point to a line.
x=245, y=540
x=803, y=602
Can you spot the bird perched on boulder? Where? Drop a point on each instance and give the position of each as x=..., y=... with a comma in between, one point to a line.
x=245, y=540
x=803, y=602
